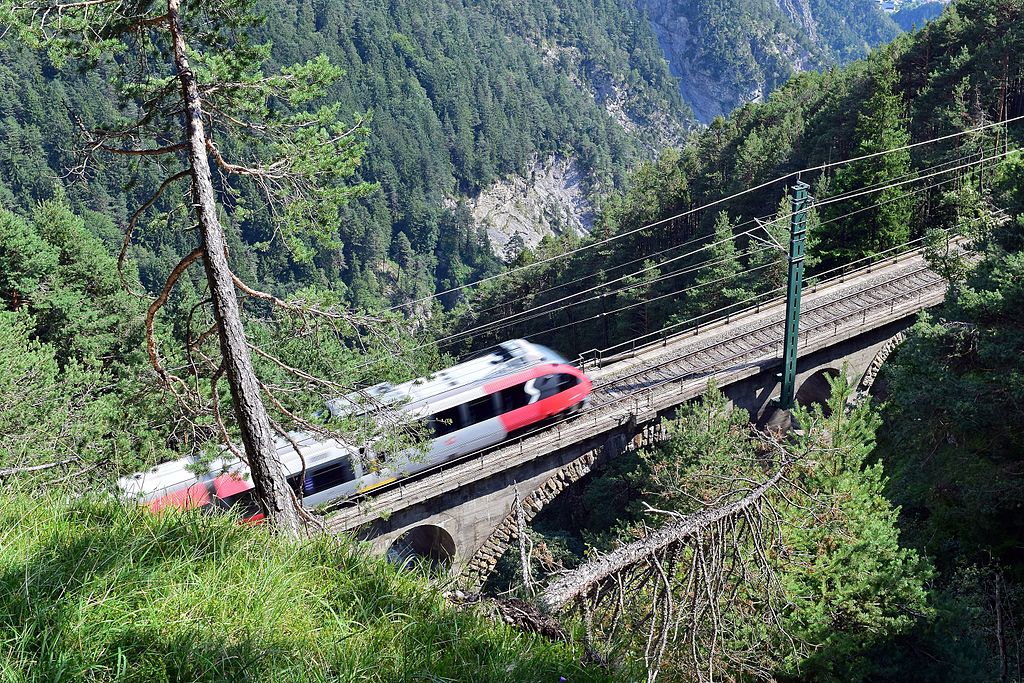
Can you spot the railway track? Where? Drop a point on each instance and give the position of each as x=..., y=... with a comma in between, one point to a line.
x=821, y=317
x=653, y=378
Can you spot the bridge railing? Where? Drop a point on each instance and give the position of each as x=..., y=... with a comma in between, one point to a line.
x=587, y=423
x=689, y=378
x=616, y=352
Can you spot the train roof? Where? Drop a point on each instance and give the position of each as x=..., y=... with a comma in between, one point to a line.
x=415, y=395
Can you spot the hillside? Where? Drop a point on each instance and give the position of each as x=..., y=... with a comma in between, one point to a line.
x=491, y=122
x=962, y=70
x=460, y=96
x=93, y=591
x=729, y=52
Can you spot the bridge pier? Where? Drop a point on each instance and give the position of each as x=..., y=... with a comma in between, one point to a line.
x=856, y=354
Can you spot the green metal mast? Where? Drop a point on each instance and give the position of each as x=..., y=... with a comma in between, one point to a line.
x=797, y=244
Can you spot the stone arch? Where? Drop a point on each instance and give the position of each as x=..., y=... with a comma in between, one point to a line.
x=816, y=388
x=424, y=542
x=867, y=382
x=480, y=565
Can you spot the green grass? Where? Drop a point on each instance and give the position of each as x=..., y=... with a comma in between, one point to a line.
x=91, y=590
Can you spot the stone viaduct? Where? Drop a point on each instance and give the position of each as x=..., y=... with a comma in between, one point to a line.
x=463, y=512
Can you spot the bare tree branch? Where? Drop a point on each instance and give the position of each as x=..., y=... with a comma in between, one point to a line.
x=155, y=151
x=172, y=279
x=10, y=471
x=133, y=221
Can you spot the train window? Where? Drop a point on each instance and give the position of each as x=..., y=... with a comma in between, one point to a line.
x=546, y=385
x=328, y=476
x=481, y=409
x=514, y=397
x=567, y=381
x=244, y=502
x=446, y=421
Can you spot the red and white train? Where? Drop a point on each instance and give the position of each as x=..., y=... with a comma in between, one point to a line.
x=472, y=405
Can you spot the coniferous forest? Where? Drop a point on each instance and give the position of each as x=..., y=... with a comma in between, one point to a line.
x=345, y=142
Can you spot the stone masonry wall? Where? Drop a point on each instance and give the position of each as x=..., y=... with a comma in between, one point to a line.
x=481, y=564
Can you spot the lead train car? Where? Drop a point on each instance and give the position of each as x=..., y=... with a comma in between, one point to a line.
x=469, y=406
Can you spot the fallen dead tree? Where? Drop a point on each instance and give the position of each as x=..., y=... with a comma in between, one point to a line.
x=598, y=572
x=674, y=585
x=756, y=555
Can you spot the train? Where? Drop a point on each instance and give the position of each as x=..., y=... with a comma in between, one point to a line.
x=496, y=395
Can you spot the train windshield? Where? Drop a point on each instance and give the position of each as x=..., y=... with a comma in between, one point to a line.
x=551, y=355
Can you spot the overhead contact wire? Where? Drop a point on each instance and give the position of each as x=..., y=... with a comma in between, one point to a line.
x=703, y=207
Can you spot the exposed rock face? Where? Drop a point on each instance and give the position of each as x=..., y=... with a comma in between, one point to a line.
x=737, y=51
x=656, y=128
x=799, y=12
x=705, y=86
x=551, y=200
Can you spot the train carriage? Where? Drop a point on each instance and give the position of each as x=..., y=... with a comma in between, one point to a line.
x=478, y=403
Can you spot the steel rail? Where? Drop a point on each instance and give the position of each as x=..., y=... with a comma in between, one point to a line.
x=605, y=410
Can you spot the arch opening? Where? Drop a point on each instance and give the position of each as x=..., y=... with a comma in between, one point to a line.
x=816, y=389
x=427, y=543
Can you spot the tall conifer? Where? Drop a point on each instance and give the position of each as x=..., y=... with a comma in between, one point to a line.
x=877, y=220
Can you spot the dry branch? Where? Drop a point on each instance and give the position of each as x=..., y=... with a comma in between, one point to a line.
x=580, y=581
x=520, y=613
x=145, y=152
x=172, y=279
x=133, y=221
x=11, y=471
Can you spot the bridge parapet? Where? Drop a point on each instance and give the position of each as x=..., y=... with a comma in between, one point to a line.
x=847, y=318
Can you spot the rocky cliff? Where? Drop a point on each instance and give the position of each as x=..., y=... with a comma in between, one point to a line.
x=729, y=52
x=520, y=211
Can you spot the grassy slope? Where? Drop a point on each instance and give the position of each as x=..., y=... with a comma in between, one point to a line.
x=92, y=591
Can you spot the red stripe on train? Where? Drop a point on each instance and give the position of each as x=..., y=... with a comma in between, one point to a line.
x=195, y=495
x=544, y=408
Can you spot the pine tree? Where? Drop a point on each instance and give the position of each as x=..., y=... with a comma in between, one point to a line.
x=52, y=268
x=877, y=220
x=832, y=556
x=207, y=98
x=717, y=286
x=769, y=254
x=852, y=582
x=404, y=256
x=633, y=317
x=768, y=259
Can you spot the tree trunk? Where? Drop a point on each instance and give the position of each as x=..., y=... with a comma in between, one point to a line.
x=1000, y=627
x=579, y=581
x=268, y=478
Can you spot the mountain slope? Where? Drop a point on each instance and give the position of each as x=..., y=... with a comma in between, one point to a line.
x=124, y=595
x=461, y=95
x=961, y=71
x=728, y=52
